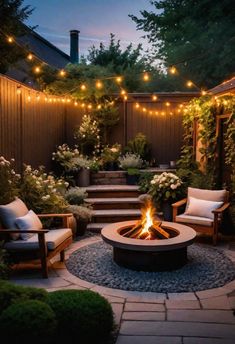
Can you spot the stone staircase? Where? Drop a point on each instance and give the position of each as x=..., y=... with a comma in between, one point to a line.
x=112, y=203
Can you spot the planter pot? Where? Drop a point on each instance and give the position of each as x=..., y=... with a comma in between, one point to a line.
x=167, y=211
x=81, y=227
x=83, y=177
x=111, y=166
x=132, y=179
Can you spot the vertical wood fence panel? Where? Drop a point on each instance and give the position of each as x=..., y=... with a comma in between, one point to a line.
x=33, y=124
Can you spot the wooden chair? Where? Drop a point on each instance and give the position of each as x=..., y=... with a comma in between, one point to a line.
x=208, y=225
x=43, y=245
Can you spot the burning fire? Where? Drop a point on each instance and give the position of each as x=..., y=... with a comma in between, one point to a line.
x=148, y=227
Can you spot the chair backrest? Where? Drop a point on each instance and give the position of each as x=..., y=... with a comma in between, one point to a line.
x=208, y=195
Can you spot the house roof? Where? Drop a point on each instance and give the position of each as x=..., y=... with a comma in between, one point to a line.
x=226, y=87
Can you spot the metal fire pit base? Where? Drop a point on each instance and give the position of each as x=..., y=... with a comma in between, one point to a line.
x=150, y=261
x=149, y=255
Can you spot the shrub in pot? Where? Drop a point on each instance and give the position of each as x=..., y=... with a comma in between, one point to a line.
x=83, y=215
x=131, y=163
x=83, y=314
x=132, y=176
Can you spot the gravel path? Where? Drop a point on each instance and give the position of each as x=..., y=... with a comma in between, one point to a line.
x=207, y=268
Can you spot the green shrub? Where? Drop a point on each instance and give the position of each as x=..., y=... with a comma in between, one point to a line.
x=29, y=321
x=82, y=314
x=11, y=294
x=140, y=146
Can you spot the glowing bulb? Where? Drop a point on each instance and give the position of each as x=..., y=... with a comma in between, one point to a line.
x=119, y=79
x=68, y=100
x=62, y=72
x=83, y=87
x=10, y=39
x=37, y=70
x=163, y=113
x=189, y=83
x=75, y=103
x=83, y=105
x=146, y=77
x=99, y=84
x=29, y=97
x=98, y=106
x=203, y=93
x=154, y=97
x=89, y=106
x=37, y=97
x=63, y=100
x=30, y=57
x=156, y=112
x=172, y=70
x=168, y=104
x=123, y=92
x=181, y=105
x=150, y=112
x=144, y=110
x=125, y=97
x=137, y=105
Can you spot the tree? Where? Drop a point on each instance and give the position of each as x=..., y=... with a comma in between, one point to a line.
x=12, y=15
x=198, y=36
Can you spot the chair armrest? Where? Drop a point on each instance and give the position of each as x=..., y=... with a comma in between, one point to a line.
x=65, y=217
x=35, y=231
x=176, y=206
x=221, y=209
x=179, y=203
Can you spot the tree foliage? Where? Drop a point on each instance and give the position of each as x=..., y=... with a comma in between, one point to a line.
x=200, y=34
x=12, y=15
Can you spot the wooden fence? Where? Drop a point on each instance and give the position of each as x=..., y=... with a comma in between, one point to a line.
x=32, y=124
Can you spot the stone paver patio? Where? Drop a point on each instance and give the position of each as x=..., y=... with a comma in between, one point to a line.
x=203, y=317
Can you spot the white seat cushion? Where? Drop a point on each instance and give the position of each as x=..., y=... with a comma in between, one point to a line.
x=29, y=221
x=196, y=220
x=53, y=239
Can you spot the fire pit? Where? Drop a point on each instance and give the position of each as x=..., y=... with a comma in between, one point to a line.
x=149, y=244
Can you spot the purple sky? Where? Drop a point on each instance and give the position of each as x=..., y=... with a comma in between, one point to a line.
x=95, y=19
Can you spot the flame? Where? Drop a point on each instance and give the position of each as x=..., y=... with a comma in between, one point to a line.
x=147, y=219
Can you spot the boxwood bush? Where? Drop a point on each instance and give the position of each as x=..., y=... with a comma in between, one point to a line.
x=82, y=314
x=28, y=322
x=11, y=293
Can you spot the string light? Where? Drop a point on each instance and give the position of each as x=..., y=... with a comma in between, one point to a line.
x=83, y=87
x=173, y=70
x=99, y=107
x=37, y=70
x=29, y=97
x=146, y=77
x=125, y=97
x=30, y=57
x=76, y=103
x=137, y=105
x=123, y=92
x=118, y=79
x=203, y=92
x=189, y=83
x=99, y=84
x=154, y=97
x=62, y=72
x=38, y=97
x=18, y=90
x=89, y=106
x=10, y=39
x=167, y=104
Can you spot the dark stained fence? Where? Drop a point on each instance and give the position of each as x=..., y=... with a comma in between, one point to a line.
x=32, y=124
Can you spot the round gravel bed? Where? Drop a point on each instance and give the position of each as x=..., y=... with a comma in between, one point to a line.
x=207, y=268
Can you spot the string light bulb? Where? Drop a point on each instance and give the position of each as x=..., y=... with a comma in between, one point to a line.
x=118, y=79
x=137, y=105
x=123, y=92
x=18, y=90
x=75, y=103
x=203, y=92
x=99, y=84
x=30, y=57
x=99, y=107
x=154, y=97
x=89, y=106
x=29, y=97
x=189, y=83
x=167, y=104
x=10, y=39
x=146, y=77
x=125, y=97
x=62, y=72
x=37, y=70
x=173, y=70
x=83, y=87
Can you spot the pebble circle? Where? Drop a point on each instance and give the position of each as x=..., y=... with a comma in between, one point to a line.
x=207, y=268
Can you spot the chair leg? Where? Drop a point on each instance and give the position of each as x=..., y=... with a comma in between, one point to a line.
x=215, y=232
x=62, y=256
x=44, y=267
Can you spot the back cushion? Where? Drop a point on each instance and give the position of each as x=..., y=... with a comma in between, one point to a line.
x=29, y=221
x=208, y=195
x=9, y=214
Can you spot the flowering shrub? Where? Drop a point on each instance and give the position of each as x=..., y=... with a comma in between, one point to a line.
x=80, y=162
x=88, y=136
x=130, y=160
x=81, y=212
x=76, y=195
x=110, y=154
x=165, y=186
x=9, y=181
x=42, y=192
x=65, y=155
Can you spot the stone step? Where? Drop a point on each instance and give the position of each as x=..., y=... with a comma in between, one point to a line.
x=115, y=215
x=114, y=203
x=96, y=227
x=112, y=191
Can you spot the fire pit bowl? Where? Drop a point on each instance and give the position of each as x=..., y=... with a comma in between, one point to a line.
x=149, y=255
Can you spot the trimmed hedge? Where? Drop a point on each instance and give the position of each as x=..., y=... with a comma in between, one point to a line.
x=28, y=322
x=11, y=293
x=82, y=314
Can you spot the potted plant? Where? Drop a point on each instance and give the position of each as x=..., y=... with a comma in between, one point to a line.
x=109, y=157
x=80, y=166
x=83, y=215
x=132, y=163
x=165, y=189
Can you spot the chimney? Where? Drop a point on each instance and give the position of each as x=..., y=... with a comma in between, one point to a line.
x=74, y=40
